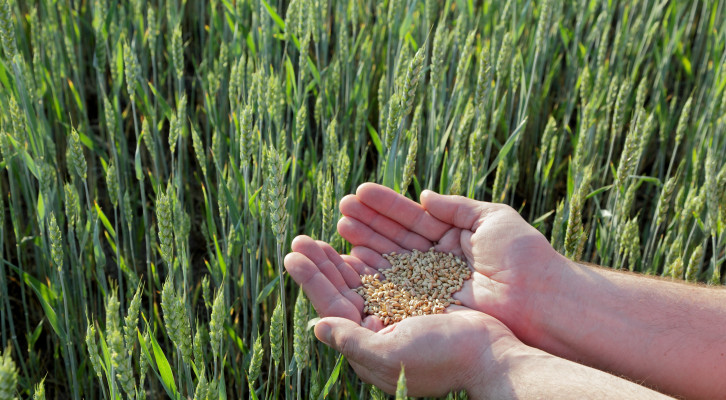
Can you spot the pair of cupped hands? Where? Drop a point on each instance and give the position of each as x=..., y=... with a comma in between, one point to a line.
x=466, y=346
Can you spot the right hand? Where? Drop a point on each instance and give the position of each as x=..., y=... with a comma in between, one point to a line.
x=512, y=261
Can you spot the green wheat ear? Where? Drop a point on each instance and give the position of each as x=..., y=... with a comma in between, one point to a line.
x=112, y=183
x=216, y=323
x=131, y=321
x=401, y=390
x=7, y=29
x=198, y=347
x=694, y=264
x=56, y=243
x=92, y=348
x=74, y=156
x=301, y=339
x=276, y=333
x=256, y=360
x=39, y=391
x=165, y=225
x=8, y=375
x=202, y=390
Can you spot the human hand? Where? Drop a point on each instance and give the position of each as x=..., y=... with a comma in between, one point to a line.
x=328, y=279
x=460, y=349
x=510, y=258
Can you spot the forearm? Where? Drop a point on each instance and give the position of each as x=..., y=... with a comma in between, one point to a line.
x=534, y=374
x=668, y=335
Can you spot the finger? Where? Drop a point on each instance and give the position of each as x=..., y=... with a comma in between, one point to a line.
x=359, y=266
x=370, y=257
x=325, y=297
x=451, y=242
x=372, y=322
x=466, y=245
x=351, y=277
x=401, y=209
x=357, y=343
x=454, y=308
x=459, y=211
x=352, y=206
x=360, y=234
x=313, y=250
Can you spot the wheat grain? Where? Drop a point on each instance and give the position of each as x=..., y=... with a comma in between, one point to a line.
x=418, y=283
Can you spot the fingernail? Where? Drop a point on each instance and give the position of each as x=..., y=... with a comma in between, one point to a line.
x=324, y=332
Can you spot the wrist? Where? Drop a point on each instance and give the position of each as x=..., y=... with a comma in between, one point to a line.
x=543, y=292
x=489, y=377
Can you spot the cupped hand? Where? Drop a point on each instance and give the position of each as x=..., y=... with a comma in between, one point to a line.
x=328, y=279
x=461, y=349
x=510, y=258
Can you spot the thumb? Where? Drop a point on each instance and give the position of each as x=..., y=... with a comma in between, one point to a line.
x=347, y=337
x=458, y=211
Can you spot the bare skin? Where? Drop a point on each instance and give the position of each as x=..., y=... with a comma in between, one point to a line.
x=640, y=328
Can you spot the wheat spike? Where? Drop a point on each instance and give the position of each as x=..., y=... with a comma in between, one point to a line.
x=276, y=333
x=119, y=359
x=543, y=24
x=92, y=348
x=165, y=224
x=8, y=375
x=300, y=341
x=177, y=52
x=56, y=241
x=216, y=323
x=505, y=57
x=131, y=321
x=7, y=29
x=683, y=121
x=74, y=156
x=198, y=347
x=694, y=264
x=112, y=183
x=401, y=390
x=462, y=66
x=256, y=360
x=440, y=46
x=39, y=391
x=202, y=390
x=410, y=164
x=413, y=74
x=131, y=70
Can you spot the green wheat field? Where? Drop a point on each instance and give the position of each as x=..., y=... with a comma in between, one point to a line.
x=158, y=156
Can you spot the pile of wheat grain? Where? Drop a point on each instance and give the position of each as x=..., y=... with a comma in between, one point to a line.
x=417, y=283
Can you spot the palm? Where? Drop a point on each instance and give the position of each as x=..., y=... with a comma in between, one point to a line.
x=502, y=249
x=440, y=352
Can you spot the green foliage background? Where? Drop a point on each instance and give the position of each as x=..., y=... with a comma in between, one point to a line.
x=159, y=156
